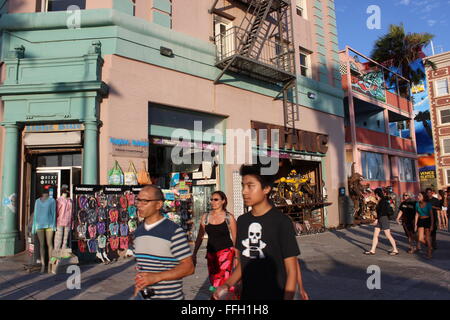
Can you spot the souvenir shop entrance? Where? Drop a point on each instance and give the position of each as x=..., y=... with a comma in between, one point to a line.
x=50, y=172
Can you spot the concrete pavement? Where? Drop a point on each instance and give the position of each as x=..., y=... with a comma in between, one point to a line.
x=333, y=267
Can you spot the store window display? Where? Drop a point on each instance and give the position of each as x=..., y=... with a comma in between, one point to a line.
x=44, y=225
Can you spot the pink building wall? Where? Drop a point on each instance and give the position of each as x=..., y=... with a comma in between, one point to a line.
x=132, y=86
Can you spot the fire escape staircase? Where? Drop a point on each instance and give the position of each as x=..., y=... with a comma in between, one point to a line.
x=252, y=37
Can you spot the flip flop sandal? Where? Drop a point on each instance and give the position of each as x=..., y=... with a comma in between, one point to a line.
x=102, y=214
x=131, y=198
x=113, y=215
x=92, y=203
x=101, y=228
x=369, y=253
x=392, y=253
x=83, y=202
x=123, y=202
x=132, y=211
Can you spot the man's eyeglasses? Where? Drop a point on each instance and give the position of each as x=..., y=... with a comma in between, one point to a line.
x=215, y=199
x=146, y=200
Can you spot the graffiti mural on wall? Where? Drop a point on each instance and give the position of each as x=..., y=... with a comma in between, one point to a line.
x=424, y=135
x=370, y=84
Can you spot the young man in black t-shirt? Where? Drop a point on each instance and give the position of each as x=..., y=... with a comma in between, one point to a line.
x=266, y=245
x=406, y=216
x=437, y=205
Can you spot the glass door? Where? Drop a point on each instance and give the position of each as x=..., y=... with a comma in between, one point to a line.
x=201, y=204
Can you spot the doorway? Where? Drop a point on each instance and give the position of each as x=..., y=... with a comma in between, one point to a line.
x=201, y=205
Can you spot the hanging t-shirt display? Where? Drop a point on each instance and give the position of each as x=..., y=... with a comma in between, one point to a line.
x=105, y=219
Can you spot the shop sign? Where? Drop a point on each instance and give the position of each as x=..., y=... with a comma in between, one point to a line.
x=55, y=127
x=306, y=141
x=205, y=182
x=185, y=144
x=129, y=147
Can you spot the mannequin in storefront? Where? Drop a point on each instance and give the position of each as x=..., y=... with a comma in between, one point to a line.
x=64, y=219
x=44, y=225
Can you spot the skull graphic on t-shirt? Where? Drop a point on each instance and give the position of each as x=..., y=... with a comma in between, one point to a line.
x=253, y=244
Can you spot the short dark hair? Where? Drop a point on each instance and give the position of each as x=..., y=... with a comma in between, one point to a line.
x=255, y=170
x=379, y=192
x=158, y=192
x=429, y=189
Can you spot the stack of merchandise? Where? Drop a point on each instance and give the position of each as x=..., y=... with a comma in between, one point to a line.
x=178, y=202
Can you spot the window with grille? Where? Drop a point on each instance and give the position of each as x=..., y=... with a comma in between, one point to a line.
x=446, y=146
x=445, y=116
x=442, y=87
x=305, y=63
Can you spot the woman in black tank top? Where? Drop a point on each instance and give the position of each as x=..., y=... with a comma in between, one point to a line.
x=220, y=226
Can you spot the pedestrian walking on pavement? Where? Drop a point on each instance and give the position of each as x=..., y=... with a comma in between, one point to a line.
x=162, y=251
x=382, y=223
x=406, y=216
x=424, y=223
x=220, y=226
x=266, y=245
x=442, y=214
x=436, y=207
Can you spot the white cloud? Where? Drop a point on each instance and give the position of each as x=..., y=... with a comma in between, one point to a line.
x=431, y=22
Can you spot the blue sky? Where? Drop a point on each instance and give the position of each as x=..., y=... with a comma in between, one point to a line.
x=432, y=16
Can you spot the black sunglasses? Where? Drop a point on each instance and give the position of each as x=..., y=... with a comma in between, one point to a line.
x=147, y=200
x=215, y=199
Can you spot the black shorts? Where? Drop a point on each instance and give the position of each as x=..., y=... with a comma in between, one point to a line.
x=408, y=226
x=424, y=223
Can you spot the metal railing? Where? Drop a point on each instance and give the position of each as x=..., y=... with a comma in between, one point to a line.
x=274, y=53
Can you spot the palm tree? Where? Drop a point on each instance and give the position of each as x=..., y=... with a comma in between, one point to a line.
x=397, y=50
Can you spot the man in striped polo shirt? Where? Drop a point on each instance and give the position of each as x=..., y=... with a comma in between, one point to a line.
x=162, y=251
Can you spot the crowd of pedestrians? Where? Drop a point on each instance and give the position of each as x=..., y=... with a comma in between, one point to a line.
x=253, y=258
x=420, y=217
x=256, y=256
